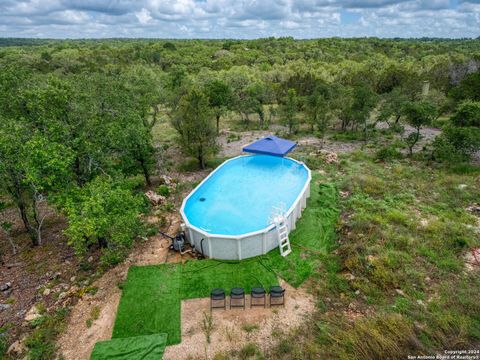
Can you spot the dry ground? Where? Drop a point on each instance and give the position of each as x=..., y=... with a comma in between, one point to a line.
x=236, y=327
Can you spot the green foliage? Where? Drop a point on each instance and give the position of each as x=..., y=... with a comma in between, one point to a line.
x=193, y=121
x=60, y=131
x=289, y=110
x=459, y=141
x=163, y=190
x=467, y=114
x=393, y=105
x=248, y=351
x=418, y=114
x=103, y=213
x=355, y=103
x=47, y=165
x=456, y=144
x=220, y=98
x=389, y=152
x=468, y=88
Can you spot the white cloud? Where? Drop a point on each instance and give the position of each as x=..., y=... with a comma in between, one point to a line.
x=239, y=18
x=143, y=16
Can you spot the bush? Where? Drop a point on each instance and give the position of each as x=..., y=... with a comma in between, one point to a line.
x=348, y=136
x=248, y=351
x=456, y=144
x=389, y=152
x=163, y=190
x=104, y=213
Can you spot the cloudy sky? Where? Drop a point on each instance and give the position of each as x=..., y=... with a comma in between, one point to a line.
x=238, y=18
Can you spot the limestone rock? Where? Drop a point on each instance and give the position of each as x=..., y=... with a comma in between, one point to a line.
x=16, y=348
x=6, y=286
x=32, y=314
x=4, y=306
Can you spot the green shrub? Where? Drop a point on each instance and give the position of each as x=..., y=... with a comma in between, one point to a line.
x=248, y=328
x=456, y=144
x=348, y=136
x=248, y=351
x=444, y=150
x=389, y=152
x=163, y=190
x=104, y=213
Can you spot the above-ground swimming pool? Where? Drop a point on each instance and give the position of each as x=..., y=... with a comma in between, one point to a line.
x=227, y=216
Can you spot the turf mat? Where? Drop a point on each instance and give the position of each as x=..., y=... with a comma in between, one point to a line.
x=150, y=347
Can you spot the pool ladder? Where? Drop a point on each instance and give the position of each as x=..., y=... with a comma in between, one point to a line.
x=283, y=240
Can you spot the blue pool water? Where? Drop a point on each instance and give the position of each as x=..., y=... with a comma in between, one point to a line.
x=239, y=196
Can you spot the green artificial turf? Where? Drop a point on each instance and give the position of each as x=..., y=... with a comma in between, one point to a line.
x=313, y=237
x=151, y=296
x=150, y=303
x=200, y=277
x=147, y=347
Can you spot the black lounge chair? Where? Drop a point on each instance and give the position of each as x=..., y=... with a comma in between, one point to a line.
x=237, y=296
x=277, y=293
x=258, y=293
x=218, y=300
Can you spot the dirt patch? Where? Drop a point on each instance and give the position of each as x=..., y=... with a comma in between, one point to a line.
x=234, y=328
x=33, y=269
x=231, y=143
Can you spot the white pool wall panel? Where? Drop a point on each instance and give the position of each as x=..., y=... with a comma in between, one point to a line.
x=239, y=247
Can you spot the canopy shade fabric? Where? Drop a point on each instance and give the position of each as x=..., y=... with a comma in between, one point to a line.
x=271, y=145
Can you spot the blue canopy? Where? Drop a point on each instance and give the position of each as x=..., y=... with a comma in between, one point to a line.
x=271, y=145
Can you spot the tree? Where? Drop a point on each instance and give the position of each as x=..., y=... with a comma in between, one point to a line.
x=460, y=140
x=249, y=94
x=123, y=112
x=468, y=88
x=145, y=93
x=106, y=213
x=29, y=171
x=318, y=108
x=219, y=97
x=393, y=105
x=356, y=104
x=467, y=114
x=135, y=148
x=364, y=101
x=34, y=162
x=418, y=114
x=193, y=121
x=256, y=96
x=289, y=110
